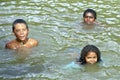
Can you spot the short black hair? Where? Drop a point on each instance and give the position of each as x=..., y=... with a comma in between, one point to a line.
x=90, y=11
x=86, y=50
x=19, y=21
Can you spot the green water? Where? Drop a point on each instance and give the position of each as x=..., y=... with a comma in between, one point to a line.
x=55, y=24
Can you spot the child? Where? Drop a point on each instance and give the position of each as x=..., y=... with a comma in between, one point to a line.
x=89, y=16
x=90, y=54
x=20, y=30
x=89, y=19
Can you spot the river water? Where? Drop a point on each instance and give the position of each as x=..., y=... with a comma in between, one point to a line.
x=55, y=24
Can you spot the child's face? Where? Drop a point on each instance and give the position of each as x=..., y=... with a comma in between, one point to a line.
x=91, y=58
x=89, y=18
x=20, y=31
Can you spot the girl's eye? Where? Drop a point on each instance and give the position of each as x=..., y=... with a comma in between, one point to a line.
x=94, y=57
x=88, y=57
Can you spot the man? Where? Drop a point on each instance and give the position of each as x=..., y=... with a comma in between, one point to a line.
x=20, y=30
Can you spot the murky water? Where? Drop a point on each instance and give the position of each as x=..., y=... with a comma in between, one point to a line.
x=55, y=24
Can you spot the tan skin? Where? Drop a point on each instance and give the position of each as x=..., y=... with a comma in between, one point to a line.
x=91, y=58
x=89, y=18
x=21, y=33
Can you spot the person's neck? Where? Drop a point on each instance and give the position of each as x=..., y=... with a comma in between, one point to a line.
x=22, y=42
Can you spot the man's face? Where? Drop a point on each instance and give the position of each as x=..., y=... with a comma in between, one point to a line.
x=21, y=31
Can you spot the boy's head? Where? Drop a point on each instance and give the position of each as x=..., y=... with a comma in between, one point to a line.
x=90, y=11
x=89, y=16
x=18, y=21
x=20, y=30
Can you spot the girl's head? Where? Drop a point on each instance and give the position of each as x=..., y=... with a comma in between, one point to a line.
x=90, y=54
x=89, y=16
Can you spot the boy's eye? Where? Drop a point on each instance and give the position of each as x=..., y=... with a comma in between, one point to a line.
x=88, y=17
x=17, y=30
x=24, y=29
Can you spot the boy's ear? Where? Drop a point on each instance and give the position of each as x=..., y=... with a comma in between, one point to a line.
x=13, y=33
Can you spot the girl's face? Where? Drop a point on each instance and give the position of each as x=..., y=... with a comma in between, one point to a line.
x=91, y=58
x=89, y=18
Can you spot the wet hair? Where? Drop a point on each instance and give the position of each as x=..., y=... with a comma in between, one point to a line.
x=86, y=50
x=90, y=11
x=19, y=21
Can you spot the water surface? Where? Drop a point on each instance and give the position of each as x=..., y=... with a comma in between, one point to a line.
x=55, y=24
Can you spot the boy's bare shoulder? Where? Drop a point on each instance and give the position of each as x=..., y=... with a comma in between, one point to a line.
x=33, y=41
x=11, y=44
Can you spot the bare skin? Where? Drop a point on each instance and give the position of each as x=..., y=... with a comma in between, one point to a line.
x=89, y=18
x=14, y=44
x=21, y=33
x=91, y=58
x=89, y=21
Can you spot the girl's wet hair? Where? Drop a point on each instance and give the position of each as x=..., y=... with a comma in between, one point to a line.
x=19, y=21
x=86, y=50
x=90, y=11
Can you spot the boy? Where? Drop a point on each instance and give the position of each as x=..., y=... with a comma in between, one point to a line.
x=20, y=30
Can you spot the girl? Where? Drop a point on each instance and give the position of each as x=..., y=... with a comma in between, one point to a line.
x=90, y=54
